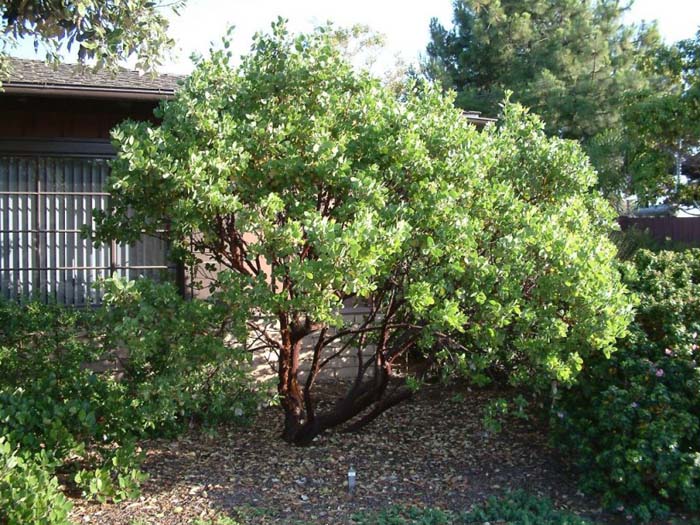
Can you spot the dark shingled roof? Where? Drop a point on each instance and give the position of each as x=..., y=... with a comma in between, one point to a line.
x=36, y=75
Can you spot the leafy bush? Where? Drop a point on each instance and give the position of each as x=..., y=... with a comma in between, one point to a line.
x=315, y=188
x=632, y=422
x=498, y=411
x=51, y=402
x=82, y=387
x=29, y=493
x=179, y=366
x=512, y=508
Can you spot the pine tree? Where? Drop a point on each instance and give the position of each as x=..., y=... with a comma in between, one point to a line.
x=571, y=61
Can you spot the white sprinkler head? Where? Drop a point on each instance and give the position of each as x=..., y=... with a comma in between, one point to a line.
x=352, y=476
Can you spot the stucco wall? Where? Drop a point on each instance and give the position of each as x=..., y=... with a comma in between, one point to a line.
x=264, y=364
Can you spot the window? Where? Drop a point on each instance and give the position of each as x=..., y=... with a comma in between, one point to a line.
x=44, y=202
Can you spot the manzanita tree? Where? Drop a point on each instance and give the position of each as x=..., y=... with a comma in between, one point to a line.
x=311, y=187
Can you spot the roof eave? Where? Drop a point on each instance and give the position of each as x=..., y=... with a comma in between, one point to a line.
x=18, y=88
x=480, y=121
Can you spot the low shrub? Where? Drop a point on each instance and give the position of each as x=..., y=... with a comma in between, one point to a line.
x=81, y=387
x=521, y=508
x=180, y=367
x=632, y=421
x=29, y=493
x=50, y=402
x=500, y=411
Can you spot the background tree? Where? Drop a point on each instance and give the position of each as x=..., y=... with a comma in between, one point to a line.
x=313, y=187
x=570, y=61
x=363, y=46
x=662, y=124
x=104, y=32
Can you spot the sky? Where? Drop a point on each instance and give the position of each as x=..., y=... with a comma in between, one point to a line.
x=404, y=24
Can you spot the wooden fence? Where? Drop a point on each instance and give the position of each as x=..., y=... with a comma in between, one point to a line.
x=682, y=230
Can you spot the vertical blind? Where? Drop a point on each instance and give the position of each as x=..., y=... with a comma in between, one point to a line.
x=44, y=203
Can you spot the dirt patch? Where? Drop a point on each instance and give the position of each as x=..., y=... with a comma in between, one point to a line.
x=430, y=451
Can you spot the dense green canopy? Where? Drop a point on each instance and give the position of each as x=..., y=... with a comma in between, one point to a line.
x=312, y=186
x=663, y=122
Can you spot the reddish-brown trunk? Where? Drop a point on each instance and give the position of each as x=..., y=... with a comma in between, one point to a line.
x=288, y=385
x=368, y=395
x=301, y=431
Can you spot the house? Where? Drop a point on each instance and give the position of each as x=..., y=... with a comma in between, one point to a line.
x=54, y=147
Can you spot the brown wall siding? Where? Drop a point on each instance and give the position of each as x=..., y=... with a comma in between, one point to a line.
x=684, y=230
x=35, y=117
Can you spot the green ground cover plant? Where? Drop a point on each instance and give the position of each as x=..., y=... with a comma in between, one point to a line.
x=513, y=508
x=29, y=491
